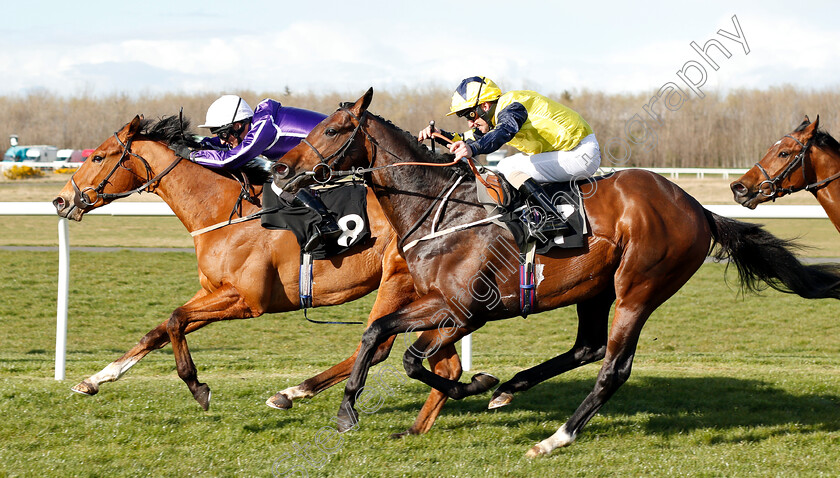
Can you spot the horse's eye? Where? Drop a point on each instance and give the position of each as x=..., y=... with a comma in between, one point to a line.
x=784, y=154
x=330, y=132
x=97, y=159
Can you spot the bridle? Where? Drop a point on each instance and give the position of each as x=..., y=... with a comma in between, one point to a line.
x=772, y=184
x=359, y=172
x=83, y=197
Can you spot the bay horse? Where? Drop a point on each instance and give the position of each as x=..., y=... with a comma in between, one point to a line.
x=647, y=238
x=806, y=159
x=244, y=270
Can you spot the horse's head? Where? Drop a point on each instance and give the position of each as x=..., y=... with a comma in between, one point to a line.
x=112, y=171
x=781, y=171
x=337, y=144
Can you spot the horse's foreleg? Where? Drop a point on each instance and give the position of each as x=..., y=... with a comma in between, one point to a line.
x=224, y=303
x=590, y=346
x=417, y=316
x=445, y=363
x=155, y=339
x=396, y=289
x=326, y=379
x=413, y=363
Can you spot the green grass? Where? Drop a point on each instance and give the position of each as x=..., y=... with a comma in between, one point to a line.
x=818, y=235
x=722, y=386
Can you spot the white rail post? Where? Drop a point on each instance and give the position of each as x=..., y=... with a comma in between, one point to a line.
x=466, y=353
x=63, y=292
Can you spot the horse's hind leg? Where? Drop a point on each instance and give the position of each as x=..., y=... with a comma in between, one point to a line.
x=590, y=346
x=153, y=340
x=621, y=348
x=326, y=379
x=643, y=283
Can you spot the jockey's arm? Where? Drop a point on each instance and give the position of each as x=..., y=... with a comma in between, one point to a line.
x=259, y=138
x=508, y=123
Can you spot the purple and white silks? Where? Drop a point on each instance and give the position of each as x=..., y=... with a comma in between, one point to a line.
x=275, y=130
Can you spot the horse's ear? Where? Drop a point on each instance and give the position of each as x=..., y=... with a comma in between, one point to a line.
x=809, y=130
x=134, y=126
x=361, y=105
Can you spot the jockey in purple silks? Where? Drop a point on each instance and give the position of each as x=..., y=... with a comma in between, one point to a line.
x=241, y=135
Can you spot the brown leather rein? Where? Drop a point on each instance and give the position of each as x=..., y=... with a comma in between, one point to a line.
x=360, y=171
x=81, y=199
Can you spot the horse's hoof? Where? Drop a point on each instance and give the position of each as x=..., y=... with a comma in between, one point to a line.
x=397, y=436
x=484, y=381
x=202, y=396
x=86, y=388
x=500, y=400
x=347, y=420
x=279, y=401
x=535, y=451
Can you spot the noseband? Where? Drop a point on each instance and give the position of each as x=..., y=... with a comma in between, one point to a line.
x=773, y=183
x=81, y=198
x=325, y=161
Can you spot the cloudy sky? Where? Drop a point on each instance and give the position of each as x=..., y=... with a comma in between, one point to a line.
x=153, y=46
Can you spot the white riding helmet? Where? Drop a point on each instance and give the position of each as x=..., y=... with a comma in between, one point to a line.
x=226, y=110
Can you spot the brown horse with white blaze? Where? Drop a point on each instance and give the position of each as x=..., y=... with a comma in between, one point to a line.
x=648, y=237
x=245, y=271
x=806, y=159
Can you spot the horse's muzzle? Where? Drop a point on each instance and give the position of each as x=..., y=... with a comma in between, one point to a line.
x=66, y=208
x=743, y=195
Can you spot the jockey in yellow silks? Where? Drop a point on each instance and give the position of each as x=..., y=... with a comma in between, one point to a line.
x=556, y=143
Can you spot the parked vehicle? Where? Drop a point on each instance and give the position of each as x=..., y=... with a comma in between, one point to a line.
x=73, y=156
x=15, y=154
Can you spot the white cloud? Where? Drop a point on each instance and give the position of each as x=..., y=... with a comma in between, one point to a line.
x=342, y=56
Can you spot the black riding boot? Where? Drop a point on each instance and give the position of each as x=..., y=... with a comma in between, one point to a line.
x=324, y=229
x=551, y=223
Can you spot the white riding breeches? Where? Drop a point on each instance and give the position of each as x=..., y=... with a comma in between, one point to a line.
x=556, y=166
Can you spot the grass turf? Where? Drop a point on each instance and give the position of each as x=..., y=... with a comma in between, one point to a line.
x=722, y=386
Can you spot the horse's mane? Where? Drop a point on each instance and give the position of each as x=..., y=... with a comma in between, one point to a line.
x=821, y=138
x=166, y=129
x=173, y=131
x=423, y=153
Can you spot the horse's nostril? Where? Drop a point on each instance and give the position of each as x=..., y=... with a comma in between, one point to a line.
x=59, y=203
x=739, y=189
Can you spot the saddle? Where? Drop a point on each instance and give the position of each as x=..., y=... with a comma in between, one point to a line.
x=500, y=198
x=347, y=202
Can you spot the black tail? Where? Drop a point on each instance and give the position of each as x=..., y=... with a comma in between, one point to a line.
x=762, y=258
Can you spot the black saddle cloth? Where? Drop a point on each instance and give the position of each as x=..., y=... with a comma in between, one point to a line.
x=567, y=198
x=347, y=202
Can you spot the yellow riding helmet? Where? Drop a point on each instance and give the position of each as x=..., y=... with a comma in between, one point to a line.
x=472, y=92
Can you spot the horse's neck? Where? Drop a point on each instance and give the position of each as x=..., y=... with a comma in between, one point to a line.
x=829, y=195
x=405, y=192
x=197, y=196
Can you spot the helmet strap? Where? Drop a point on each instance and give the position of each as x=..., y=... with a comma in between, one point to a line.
x=488, y=115
x=236, y=110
